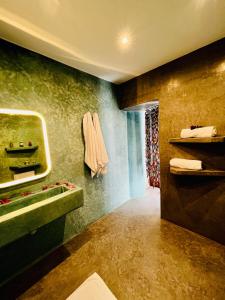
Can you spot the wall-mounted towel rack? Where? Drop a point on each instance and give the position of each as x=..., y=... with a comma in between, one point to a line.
x=179, y=171
x=215, y=139
x=206, y=172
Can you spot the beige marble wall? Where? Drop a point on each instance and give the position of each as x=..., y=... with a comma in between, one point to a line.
x=190, y=90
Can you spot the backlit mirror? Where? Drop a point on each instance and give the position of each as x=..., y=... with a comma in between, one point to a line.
x=24, y=149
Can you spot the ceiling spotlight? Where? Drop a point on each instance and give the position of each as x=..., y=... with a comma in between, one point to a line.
x=124, y=40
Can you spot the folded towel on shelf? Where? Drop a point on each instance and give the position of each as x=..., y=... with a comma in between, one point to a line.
x=182, y=163
x=208, y=131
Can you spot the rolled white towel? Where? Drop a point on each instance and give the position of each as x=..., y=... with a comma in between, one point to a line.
x=182, y=163
x=208, y=131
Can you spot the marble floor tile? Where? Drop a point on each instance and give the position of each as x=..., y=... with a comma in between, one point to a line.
x=138, y=255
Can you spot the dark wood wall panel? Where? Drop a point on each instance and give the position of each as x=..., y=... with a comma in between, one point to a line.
x=190, y=90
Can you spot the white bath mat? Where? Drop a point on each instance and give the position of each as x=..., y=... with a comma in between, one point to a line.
x=93, y=288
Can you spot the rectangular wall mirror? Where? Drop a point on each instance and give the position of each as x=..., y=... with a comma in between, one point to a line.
x=24, y=147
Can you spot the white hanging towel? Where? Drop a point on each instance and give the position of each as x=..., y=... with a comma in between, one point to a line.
x=190, y=164
x=208, y=131
x=96, y=156
x=90, y=143
x=101, y=153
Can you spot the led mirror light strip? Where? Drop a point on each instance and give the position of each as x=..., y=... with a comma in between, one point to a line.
x=47, y=151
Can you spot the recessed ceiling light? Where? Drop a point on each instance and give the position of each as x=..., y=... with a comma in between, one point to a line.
x=124, y=40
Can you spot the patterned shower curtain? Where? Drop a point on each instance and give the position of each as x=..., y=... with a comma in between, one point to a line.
x=152, y=146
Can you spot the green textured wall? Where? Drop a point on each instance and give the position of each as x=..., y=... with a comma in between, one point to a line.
x=62, y=95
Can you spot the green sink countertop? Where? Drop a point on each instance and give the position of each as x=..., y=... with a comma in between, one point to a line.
x=24, y=215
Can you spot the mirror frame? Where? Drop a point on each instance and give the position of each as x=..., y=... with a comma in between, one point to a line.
x=46, y=146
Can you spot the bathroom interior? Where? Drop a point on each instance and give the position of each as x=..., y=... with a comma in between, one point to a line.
x=112, y=157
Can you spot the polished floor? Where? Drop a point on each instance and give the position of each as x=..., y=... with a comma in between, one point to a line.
x=138, y=255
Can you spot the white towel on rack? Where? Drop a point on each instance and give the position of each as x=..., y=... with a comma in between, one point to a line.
x=101, y=153
x=182, y=163
x=208, y=131
x=96, y=156
x=90, y=143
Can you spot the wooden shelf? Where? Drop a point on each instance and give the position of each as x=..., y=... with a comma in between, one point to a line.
x=21, y=149
x=25, y=167
x=186, y=172
x=215, y=139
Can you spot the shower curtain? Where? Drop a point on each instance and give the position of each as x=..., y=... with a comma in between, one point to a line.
x=152, y=145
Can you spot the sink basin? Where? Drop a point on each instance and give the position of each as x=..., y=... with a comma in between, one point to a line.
x=23, y=215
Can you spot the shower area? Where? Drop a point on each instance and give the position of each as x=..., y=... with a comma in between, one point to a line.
x=143, y=149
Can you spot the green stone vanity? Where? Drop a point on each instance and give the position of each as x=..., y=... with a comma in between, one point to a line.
x=25, y=214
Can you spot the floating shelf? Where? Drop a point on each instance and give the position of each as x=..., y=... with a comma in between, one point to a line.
x=215, y=139
x=25, y=167
x=21, y=149
x=179, y=171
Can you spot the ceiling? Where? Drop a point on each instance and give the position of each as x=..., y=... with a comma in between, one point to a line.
x=114, y=40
